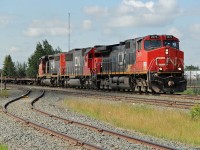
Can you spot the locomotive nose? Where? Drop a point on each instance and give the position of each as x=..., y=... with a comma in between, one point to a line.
x=170, y=83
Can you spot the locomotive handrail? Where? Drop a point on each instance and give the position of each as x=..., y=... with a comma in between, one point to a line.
x=148, y=70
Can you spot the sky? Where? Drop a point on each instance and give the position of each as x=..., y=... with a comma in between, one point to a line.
x=24, y=23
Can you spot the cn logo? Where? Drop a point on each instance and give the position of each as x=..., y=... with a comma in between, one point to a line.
x=168, y=60
x=174, y=62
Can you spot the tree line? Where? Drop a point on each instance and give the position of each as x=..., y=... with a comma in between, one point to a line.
x=29, y=69
x=192, y=68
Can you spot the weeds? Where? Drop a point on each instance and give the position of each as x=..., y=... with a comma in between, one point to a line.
x=192, y=91
x=3, y=147
x=4, y=93
x=165, y=123
x=195, y=112
x=196, y=91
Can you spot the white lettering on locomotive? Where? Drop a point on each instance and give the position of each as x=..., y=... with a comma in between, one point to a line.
x=167, y=61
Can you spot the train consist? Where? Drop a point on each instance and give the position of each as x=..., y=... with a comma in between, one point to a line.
x=151, y=63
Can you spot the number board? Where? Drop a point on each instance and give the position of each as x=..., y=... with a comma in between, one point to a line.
x=169, y=36
x=154, y=36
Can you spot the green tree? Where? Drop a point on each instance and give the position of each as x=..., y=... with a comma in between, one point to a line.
x=21, y=69
x=191, y=67
x=41, y=50
x=33, y=61
x=57, y=50
x=9, y=67
x=48, y=49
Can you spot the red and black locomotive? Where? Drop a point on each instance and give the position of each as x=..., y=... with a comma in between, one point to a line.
x=151, y=63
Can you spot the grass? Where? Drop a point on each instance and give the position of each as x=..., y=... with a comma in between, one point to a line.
x=191, y=91
x=3, y=147
x=4, y=93
x=163, y=123
x=195, y=112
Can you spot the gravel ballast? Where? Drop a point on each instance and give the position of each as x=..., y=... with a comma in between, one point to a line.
x=54, y=105
x=101, y=140
x=19, y=136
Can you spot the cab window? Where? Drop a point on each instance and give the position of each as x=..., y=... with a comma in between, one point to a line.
x=90, y=56
x=127, y=45
x=139, y=45
x=171, y=43
x=98, y=55
x=152, y=44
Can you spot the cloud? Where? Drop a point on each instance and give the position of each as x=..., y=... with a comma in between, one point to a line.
x=87, y=24
x=123, y=21
x=167, y=6
x=138, y=4
x=195, y=31
x=132, y=6
x=96, y=11
x=4, y=20
x=14, y=49
x=48, y=27
x=174, y=31
x=137, y=13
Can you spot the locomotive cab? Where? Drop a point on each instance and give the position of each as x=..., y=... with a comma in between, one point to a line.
x=92, y=61
x=165, y=64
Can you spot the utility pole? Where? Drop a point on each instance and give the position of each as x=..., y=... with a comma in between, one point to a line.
x=69, y=30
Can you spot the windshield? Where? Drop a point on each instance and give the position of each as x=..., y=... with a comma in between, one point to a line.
x=152, y=44
x=171, y=43
x=97, y=54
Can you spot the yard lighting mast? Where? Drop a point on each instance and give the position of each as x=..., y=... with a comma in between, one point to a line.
x=69, y=30
x=1, y=71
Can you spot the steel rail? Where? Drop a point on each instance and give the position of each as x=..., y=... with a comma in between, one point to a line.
x=151, y=101
x=50, y=131
x=135, y=99
x=182, y=96
x=179, y=96
x=165, y=103
x=101, y=130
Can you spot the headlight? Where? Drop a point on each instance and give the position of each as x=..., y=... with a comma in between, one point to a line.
x=160, y=69
x=179, y=68
x=167, y=51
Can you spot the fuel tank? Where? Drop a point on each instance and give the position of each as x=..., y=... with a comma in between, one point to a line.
x=74, y=82
x=120, y=82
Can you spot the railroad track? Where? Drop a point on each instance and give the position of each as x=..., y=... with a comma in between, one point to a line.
x=153, y=101
x=77, y=141
x=72, y=139
x=178, y=96
x=145, y=100
x=177, y=100
x=101, y=130
x=43, y=128
x=183, y=96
